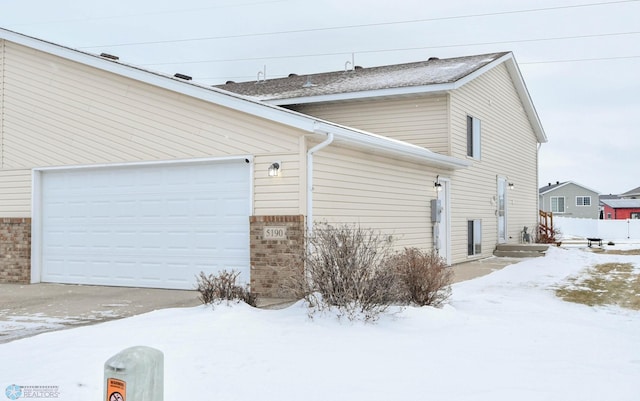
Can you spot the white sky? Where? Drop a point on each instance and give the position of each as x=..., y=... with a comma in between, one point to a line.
x=579, y=58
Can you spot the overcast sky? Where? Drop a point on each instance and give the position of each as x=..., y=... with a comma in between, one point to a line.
x=580, y=58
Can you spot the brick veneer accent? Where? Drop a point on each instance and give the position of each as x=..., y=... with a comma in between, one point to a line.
x=272, y=261
x=15, y=250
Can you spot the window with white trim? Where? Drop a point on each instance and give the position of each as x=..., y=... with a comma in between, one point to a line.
x=557, y=204
x=474, y=237
x=583, y=201
x=473, y=137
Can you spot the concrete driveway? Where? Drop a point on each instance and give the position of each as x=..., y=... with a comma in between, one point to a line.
x=30, y=309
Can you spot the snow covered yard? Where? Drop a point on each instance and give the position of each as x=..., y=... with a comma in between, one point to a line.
x=504, y=336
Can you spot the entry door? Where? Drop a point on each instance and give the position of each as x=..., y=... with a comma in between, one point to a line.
x=502, y=210
x=444, y=226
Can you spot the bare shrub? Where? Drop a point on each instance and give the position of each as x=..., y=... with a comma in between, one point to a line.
x=345, y=271
x=423, y=278
x=223, y=287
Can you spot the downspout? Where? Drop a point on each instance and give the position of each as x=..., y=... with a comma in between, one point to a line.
x=310, y=153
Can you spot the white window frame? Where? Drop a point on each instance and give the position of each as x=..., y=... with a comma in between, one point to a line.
x=564, y=204
x=474, y=132
x=580, y=201
x=474, y=237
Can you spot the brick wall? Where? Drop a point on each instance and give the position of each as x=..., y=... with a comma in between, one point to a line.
x=276, y=246
x=15, y=250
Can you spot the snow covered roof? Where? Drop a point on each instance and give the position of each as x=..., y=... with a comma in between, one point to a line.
x=433, y=75
x=622, y=203
x=431, y=72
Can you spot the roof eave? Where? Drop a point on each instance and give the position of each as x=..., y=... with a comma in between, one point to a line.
x=390, y=146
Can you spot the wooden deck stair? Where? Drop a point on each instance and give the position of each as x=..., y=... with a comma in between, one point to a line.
x=520, y=250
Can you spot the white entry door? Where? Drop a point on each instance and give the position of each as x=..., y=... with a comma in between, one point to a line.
x=145, y=226
x=502, y=210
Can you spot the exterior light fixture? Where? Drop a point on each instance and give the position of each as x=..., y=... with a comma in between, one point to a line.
x=274, y=169
x=436, y=185
x=512, y=185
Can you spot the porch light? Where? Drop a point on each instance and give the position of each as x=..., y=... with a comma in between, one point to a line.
x=274, y=169
x=436, y=185
x=512, y=185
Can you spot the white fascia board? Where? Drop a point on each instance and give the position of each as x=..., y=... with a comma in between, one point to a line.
x=390, y=146
x=363, y=95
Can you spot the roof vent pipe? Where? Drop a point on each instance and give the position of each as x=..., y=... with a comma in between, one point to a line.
x=263, y=73
x=109, y=56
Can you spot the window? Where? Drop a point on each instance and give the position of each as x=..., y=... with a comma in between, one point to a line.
x=635, y=215
x=608, y=216
x=473, y=137
x=474, y=237
x=557, y=204
x=583, y=201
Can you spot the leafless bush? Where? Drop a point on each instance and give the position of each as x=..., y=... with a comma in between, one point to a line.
x=223, y=287
x=422, y=278
x=345, y=271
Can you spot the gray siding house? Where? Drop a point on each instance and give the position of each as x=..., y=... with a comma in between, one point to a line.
x=569, y=199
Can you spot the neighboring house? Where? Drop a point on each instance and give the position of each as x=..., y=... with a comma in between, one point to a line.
x=569, y=199
x=621, y=209
x=631, y=194
x=114, y=175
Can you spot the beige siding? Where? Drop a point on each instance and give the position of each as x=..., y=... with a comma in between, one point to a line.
x=421, y=120
x=508, y=149
x=15, y=193
x=58, y=112
x=387, y=195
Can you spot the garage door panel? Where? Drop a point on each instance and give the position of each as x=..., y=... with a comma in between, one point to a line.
x=155, y=226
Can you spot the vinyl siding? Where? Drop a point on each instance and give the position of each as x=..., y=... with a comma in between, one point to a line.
x=15, y=193
x=508, y=149
x=420, y=120
x=376, y=192
x=58, y=112
x=570, y=192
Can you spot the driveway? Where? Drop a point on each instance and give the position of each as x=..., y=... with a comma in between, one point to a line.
x=30, y=309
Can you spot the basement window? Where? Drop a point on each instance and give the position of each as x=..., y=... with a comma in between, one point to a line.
x=474, y=237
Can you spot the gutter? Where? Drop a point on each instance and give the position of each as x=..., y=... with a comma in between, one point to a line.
x=310, y=153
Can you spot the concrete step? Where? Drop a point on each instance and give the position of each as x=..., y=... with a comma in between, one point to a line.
x=518, y=254
x=522, y=247
x=520, y=250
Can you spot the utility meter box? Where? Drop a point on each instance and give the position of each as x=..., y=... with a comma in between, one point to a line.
x=134, y=374
x=436, y=210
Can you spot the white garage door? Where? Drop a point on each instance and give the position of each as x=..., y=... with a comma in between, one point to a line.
x=145, y=226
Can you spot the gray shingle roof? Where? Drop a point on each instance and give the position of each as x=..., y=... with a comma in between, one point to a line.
x=424, y=73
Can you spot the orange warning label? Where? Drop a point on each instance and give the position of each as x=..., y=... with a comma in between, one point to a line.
x=116, y=390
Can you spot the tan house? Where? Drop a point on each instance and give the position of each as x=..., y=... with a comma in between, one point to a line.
x=114, y=175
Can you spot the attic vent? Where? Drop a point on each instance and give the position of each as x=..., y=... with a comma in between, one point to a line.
x=230, y=82
x=293, y=75
x=433, y=58
x=109, y=56
x=182, y=76
x=357, y=67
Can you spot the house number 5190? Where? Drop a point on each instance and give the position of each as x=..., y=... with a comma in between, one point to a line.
x=274, y=232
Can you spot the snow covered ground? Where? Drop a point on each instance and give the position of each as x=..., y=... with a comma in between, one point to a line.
x=504, y=336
